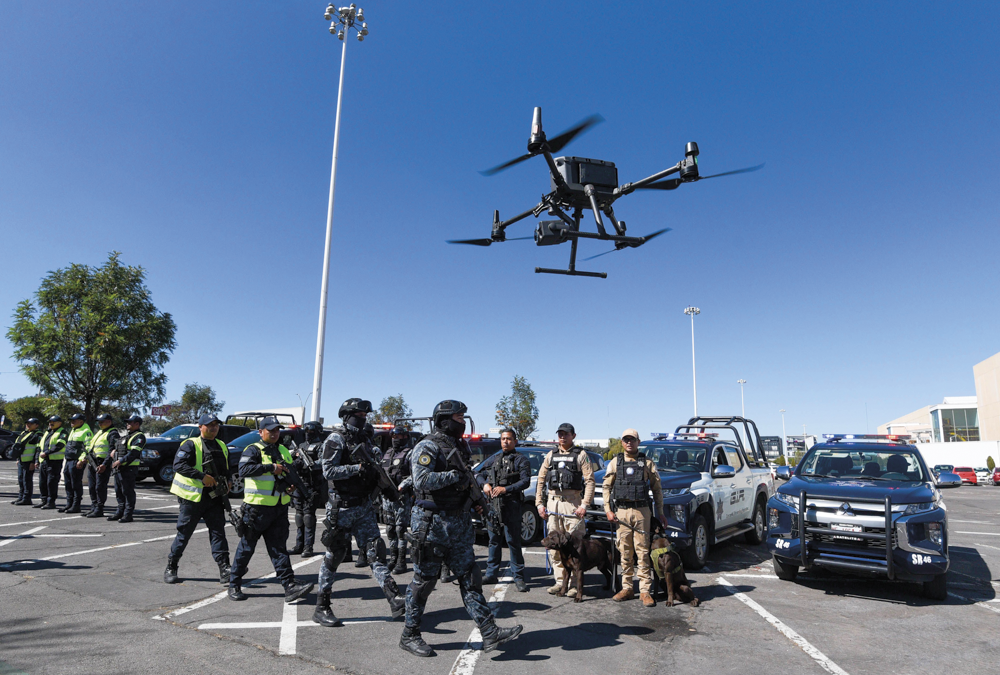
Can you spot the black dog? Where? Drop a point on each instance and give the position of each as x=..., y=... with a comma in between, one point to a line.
x=668, y=570
x=579, y=554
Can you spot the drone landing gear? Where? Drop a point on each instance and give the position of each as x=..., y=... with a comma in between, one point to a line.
x=575, y=234
x=571, y=273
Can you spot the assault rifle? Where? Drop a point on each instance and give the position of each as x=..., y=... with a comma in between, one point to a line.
x=457, y=461
x=385, y=484
x=290, y=480
x=221, y=487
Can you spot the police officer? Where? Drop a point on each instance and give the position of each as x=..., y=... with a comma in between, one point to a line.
x=201, y=483
x=76, y=448
x=628, y=479
x=350, y=510
x=507, y=476
x=307, y=464
x=25, y=448
x=126, y=464
x=98, y=454
x=442, y=530
x=568, y=477
x=51, y=451
x=396, y=463
x=268, y=477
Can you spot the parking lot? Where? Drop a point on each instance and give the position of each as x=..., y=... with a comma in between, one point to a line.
x=85, y=595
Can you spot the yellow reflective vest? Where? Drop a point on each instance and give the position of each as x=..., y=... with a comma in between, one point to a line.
x=99, y=445
x=192, y=488
x=54, y=443
x=28, y=451
x=262, y=489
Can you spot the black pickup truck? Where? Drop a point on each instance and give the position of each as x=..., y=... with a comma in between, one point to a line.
x=157, y=460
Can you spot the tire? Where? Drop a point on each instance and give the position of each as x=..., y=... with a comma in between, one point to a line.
x=164, y=474
x=756, y=536
x=784, y=571
x=695, y=555
x=936, y=588
x=236, y=487
x=531, y=526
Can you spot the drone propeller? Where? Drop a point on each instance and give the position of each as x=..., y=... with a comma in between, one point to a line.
x=673, y=183
x=554, y=145
x=644, y=240
x=485, y=242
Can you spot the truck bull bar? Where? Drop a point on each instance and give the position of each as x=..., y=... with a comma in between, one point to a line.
x=841, y=559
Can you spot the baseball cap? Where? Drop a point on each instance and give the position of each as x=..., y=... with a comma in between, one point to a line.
x=207, y=419
x=566, y=426
x=270, y=423
x=631, y=432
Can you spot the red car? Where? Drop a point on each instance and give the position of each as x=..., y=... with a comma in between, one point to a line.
x=996, y=476
x=967, y=474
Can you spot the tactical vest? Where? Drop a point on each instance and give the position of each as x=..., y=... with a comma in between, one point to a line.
x=192, y=488
x=262, y=489
x=28, y=448
x=100, y=445
x=505, y=472
x=78, y=440
x=54, y=443
x=448, y=498
x=564, y=471
x=397, y=464
x=357, y=486
x=630, y=480
x=130, y=445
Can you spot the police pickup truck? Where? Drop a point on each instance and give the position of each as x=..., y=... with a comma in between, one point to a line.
x=862, y=504
x=713, y=489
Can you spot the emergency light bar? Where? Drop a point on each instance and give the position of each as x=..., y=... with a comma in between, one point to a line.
x=472, y=437
x=672, y=435
x=867, y=437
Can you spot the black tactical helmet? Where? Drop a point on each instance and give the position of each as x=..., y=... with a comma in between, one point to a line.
x=134, y=418
x=55, y=418
x=312, y=428
x=104, y=417
x=354, y=406
x=75, y=416
x=445, y=409
x=399, y=430
x=33, y=420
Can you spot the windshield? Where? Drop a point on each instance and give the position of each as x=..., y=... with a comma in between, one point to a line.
x=180, y=433
x=676, y=459
x=867, y=464
x=243, y=441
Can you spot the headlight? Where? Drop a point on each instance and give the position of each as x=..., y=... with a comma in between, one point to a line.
x=912, y=509
x=791, y=500
x=772, y=519
x=679, y=513
x=935, y=533
x=150, y=454
x=677, y=491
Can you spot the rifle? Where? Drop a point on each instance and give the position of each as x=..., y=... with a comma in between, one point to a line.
x=293, y=480
x=385, y=484
x=476, y=496
x=91, y=460
x=221, y=487
x=121, y=449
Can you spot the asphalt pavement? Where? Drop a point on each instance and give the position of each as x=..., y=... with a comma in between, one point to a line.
x=86, y=595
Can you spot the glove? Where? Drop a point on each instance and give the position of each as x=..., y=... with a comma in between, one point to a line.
x=462, y=477
x=368, y=472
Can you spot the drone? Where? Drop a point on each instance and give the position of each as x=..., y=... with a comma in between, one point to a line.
x=580, y=185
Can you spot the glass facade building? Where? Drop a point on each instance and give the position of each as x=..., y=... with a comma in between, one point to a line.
x=951, y=425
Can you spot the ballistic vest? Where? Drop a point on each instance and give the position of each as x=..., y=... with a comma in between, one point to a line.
x=263, y=489
x=28, y=448
x=564, y=471
x=54, y=443
x=448, y=498
x=100, y=444
x=192, y=488
x=504, y=470
x=132, y=443
x=630, y=480
x=357, y=486
x=78, y=440
x=397, y=464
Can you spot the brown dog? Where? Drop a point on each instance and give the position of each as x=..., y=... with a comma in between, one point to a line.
x=669, y=572
x=580, y=554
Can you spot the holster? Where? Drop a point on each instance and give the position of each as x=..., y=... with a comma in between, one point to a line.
x=330, y=528
x=236, y=519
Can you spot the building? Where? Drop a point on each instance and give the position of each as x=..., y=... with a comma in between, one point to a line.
x=987, y=374
x=955, y=419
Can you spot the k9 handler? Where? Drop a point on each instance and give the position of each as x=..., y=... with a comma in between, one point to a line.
x=628, y=478
x=568, y=477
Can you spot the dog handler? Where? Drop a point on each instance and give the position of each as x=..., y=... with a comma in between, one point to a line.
x=628, y=478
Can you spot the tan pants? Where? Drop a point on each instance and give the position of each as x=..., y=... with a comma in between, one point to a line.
x=631, y=543
x=565, y=502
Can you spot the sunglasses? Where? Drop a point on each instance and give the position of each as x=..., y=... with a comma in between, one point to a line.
x=630, y=439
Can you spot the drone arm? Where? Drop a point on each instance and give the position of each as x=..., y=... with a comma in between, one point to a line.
x=592, y=195
x=629, y=187
x=498, y=228
x=619, y=226
x=556, y=176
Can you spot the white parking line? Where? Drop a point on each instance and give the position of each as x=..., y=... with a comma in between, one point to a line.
x=752, y=576
x=23, y=535
x=465, y=662
x=976, y=602
x=819, y=657
x=971, y=522
x=988, y=534
x=93, y=550
x=32, y=522
x=995, y=548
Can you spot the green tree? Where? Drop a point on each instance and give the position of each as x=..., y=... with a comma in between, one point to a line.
x=990, y=464
x=154, y=426
x=614, y=447
x=20, y=410
x=780, y=461
x=93, y=336
x=518, y=410
x=391, y=409
x=197, y=400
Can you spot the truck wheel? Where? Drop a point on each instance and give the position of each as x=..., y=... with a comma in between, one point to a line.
x=755, y=537
x=937, y=588
x=236, y=487
x=695, y=555
x=784, y=571
x=164, y=474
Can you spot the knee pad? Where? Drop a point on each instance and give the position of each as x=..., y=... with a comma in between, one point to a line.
x=422, y=587
x=309, y=520
x=472, y=580
x=376, y=550
x=298, y=520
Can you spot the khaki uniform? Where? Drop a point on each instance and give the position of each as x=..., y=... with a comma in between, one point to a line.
x=632, y=544
x=564, y=502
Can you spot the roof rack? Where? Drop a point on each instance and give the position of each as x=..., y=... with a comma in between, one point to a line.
x=665, y=436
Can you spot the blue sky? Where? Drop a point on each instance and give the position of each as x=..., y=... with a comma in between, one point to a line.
x=857, y=269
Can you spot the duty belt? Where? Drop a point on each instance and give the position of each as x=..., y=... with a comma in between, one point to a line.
x=632, y=505
x=428, y=505
x=352, y=501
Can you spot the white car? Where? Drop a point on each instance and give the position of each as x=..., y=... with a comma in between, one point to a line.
x=984, y=476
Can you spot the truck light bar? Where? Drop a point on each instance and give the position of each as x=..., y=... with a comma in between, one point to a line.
x=472, y=437
x=383, y=426
x=670, y=436
x=867, y=437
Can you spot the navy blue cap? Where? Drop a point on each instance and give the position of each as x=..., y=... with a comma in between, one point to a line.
x=566, y=426
x=134, y=418
x=33, y=420
x=75, y=416
x=270, y=423
x=55, y=418
x=104, y=417
x=207, y=419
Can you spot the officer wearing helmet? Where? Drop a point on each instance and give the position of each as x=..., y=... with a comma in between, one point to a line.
x=76, y=450
x=25, y=448
x=51, y=452
x=126, y=467
x=98, y=457
x=396, y=463
x=350, y=510
x=307, y=464
x=442, y=530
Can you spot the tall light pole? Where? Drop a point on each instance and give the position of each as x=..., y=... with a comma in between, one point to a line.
x=343, y=20
x=743, y=408
x=691, y=311
x=784, y=438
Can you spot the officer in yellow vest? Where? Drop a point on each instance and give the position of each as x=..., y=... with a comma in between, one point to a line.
x=50, y=455
x=268, y=480
x=98, y=459
x=126, y=467
x=201, y=483
x=79, y=437
x=25, y=448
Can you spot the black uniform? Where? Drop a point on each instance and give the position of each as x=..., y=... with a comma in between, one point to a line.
x=127, y=450
x=396, y=463
x=305, y=508
x=510, y=470
x=210, y=509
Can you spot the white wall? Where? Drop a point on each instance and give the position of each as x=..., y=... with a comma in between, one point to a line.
x=972, y=453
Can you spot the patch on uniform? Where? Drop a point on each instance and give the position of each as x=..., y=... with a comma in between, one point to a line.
x=630, y=471
x=424, y=459
x=562, y=465
x=395, y=462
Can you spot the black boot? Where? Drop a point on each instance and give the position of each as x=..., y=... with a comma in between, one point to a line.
x=494, y=636
x=39, y=505
x=99, y=513
x=74, y=509
x=324, y=615
x=295, y=550
x=116, y=515
x=64, y=509
x=362, y=560
x=127, y=518
x=411, y=641
x=397, y=605
x=224, y=569
x=295, y=590
x=92, y=513
x=170, y=574
x=307, y=552
x=236, y=592
x=49, y=506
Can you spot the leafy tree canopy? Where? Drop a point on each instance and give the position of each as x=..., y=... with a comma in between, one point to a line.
x=518, y=410
x=391, y=409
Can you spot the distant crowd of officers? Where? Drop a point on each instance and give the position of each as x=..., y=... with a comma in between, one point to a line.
x=425, y=494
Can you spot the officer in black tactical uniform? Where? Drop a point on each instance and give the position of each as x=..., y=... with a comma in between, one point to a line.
x=51, y=451
x=396, y=463
x=442, y=530
x=507, y=476
x=350, y=509
x=126, y=464
x=307, y=464
x=24, y=454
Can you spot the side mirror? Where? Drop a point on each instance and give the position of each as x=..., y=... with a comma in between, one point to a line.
x=949, y=480
x=783, y=472
x=723, y=471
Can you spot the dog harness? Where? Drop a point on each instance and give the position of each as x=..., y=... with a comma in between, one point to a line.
x=655, y=556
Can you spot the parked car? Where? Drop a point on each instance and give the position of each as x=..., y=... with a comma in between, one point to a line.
x=157, y=460
x=996, y=476
x=943, y=468
x=290, y=437
x=967, y=474
x=7, y=439
x=984, y=476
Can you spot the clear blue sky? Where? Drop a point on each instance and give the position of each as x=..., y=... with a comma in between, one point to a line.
x=859, y=267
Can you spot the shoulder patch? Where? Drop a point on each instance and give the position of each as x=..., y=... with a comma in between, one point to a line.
x=424, y=459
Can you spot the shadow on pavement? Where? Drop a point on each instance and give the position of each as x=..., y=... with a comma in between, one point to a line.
x=581, y=637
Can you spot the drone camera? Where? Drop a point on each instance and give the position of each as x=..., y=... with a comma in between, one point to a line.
x=550, y=232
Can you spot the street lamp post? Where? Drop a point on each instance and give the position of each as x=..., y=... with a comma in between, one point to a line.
x=691, y=311
x=343, y=20
x=784, y=438
x=743, y=408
